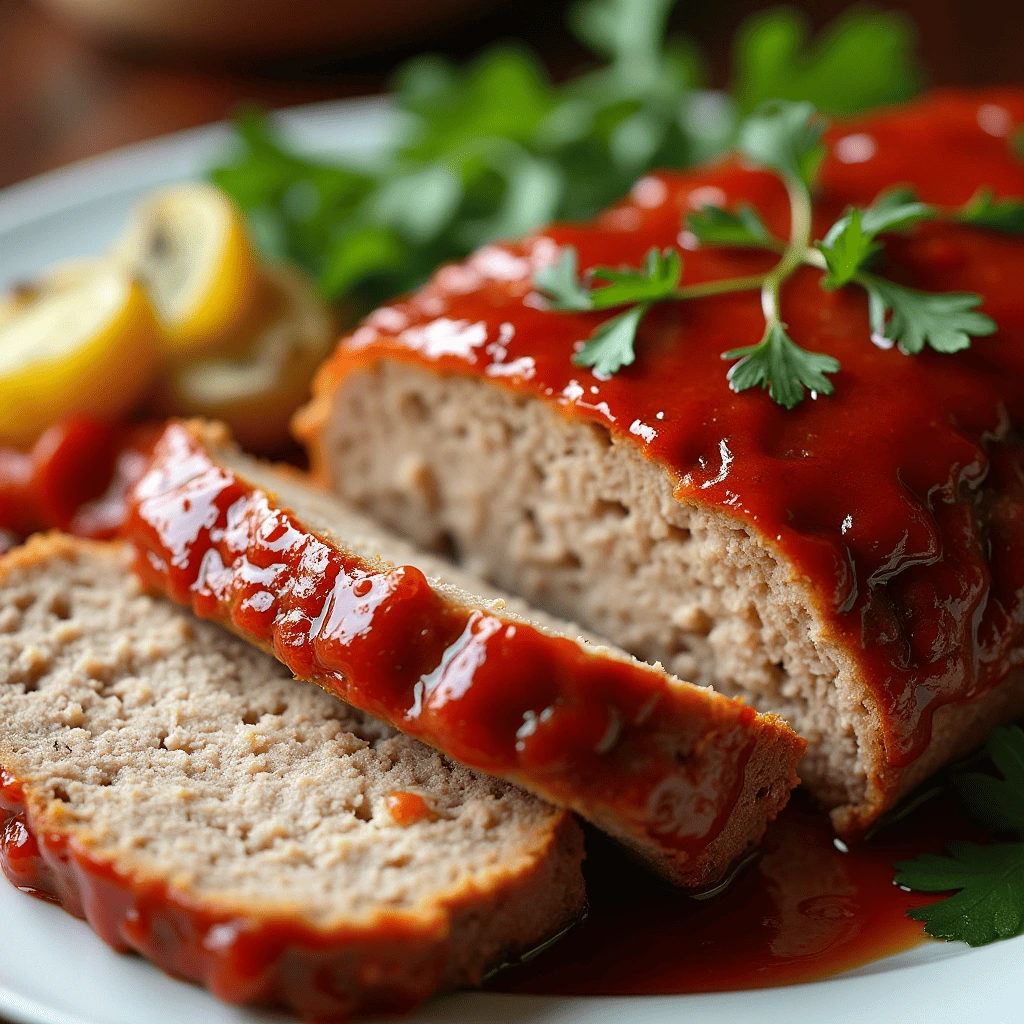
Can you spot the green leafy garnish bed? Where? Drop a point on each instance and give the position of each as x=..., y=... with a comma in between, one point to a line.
x=494, y=149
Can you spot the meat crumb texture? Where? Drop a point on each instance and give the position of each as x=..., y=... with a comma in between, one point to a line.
x=158, y=754
x=686, y=778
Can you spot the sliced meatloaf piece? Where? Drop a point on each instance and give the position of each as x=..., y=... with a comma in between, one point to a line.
x=685, y=777
x=855, y=564
x=183, y=793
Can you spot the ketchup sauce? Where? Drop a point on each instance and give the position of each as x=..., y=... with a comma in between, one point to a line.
x=75, y=478
x=872, y=494
x=803, y=910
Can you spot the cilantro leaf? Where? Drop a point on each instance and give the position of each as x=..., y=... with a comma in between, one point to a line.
x=863, y=59
x=784, y=136
x=999, y=803
x=990, y=903
x=560, y=282
x=850, y=242
x=612, y=345
x=984, y=211
x=714, y=226
x=780, y=365
x=946, y=322
x=658, y=280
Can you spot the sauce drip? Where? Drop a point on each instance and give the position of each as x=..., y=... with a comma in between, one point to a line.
x=610, y=738
x=801, y=912
x=872, y=494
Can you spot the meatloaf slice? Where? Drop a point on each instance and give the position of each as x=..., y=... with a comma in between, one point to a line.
x=179, y=790
x=685, y=777
x=855, y=564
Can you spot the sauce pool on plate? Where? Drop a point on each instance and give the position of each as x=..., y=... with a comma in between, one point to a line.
x=802, y=911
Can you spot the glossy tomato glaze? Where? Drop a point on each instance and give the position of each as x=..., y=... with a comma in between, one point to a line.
x=585, y=729
x=872, y=494
x=392, y=964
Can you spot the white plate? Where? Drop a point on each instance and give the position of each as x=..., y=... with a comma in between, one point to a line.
x=53, y=970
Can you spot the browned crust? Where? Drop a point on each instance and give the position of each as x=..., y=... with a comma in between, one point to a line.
x=957, y=729
x=391, y=961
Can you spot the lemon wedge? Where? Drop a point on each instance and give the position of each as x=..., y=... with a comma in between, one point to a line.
x=189, y=248
x=257, y=381
x=88, y=344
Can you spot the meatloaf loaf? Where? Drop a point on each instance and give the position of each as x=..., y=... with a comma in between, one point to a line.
x=685, y=777
x=197, y=805
x=855, y=564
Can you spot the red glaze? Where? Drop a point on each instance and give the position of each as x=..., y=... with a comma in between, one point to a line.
x=803, y=911
x=407, y=808
x=589, y=731
x=321, y=976
x=75, y=479
x=870, y=493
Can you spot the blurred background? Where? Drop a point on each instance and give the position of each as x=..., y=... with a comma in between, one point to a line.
x=81, y=76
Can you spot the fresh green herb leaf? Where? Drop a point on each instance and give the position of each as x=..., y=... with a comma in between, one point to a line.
x=630, y=33
x=498, y=149
x=419, y=205
x=850, y=242
x=990, y=903
x=561, y=285
x=984, y=211
x=780, y=365
x=784, y=136
x=999, y=803
x=893, y=209
x=613, y=345
x=846, y=248
x=865, y=58
x=502, y=94
x=657, y=281
x=946, y=322
x=1016, y=141
x=714, y=226
x=359, y=254
x=990, y=879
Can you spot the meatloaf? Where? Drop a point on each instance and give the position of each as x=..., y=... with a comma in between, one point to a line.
x=855, y=564
x=685, y=777
x=197, y=805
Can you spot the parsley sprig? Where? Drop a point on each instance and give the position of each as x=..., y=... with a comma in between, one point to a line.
x=785, y=137
x=989, y=903
x=493, y=148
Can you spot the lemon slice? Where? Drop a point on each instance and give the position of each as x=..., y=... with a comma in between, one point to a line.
x=88, y=345
x=264, y=376
x=189, y=248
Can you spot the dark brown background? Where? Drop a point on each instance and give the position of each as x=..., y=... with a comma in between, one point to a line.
x=61, y=99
